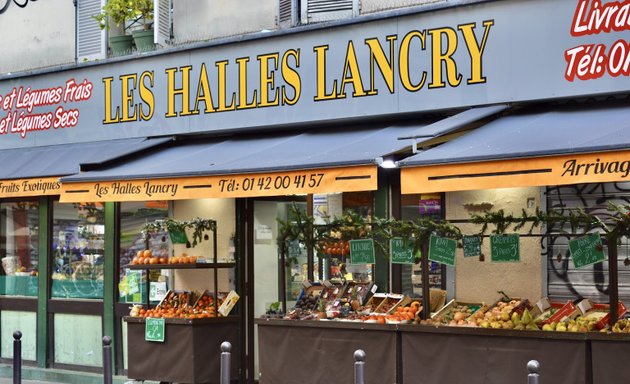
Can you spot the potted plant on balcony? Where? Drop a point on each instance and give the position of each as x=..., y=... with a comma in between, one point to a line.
x=143, y=14
x=125, y=13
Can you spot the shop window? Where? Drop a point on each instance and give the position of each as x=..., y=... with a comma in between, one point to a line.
x=19, y=226
x=134, y=216
x=78, y=242
x=414, y=207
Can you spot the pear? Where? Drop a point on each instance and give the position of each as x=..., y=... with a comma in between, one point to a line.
x=516, y=318
x=505, y=316
x=526, y=318
x=532, y=327
x=484, y=324
x=561, y=327
x=547, y=327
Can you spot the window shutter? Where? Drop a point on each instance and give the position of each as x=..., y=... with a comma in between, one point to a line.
x=325, y=10
x=287, y=13
x=91, y=41
x=162, y=19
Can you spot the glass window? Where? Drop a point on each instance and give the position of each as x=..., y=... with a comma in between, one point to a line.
x=78, y=241
x=414, y=207
x=19, y=226
x=134, y=216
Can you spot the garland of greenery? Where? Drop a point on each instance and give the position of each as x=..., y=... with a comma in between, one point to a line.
x=198, y=225
x=351, y=225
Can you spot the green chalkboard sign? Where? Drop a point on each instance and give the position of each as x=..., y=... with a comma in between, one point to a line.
x=178, y=237
x=362, y=251
x=586, y=250
x=472, y=246
x=154, y=329
x=401, y=251
x=442, y=250
x=505, y=248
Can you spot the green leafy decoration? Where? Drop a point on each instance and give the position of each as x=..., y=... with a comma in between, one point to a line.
x=198, y=225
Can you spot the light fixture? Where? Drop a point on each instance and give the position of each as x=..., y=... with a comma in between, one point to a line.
x=386, y=163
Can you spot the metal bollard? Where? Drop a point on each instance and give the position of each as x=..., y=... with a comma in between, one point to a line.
x=226, y=348
x=107, y=360
x=359, y=366
x=17, y=357
x=533, y=367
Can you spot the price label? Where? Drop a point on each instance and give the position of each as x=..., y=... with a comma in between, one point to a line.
x=401, y=251
x=154, y=329
x=586, y=250
x=505, y=248
x=472, y=246
x=362, y=251
x=442, y=250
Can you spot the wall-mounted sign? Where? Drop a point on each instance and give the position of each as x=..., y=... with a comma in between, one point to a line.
x=432, y=60
x=586, y=250
x=442, y=250
x=505, y=248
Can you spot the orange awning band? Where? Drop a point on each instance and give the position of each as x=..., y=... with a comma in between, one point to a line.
x=329, y=180
x=29, y=187
x=526, y=172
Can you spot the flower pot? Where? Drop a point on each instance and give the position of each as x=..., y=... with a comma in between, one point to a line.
x=121, y=45
x=144, y=40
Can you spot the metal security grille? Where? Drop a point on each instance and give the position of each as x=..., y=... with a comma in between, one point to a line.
x=564, y=281
x=90, y=38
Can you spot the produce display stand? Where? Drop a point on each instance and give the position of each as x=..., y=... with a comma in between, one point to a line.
x=610, y=354
x=322, y=351
x=190, y=352
x=486, y=356
x=301, y=351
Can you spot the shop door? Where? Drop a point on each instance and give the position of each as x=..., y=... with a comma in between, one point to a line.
x=276, y=281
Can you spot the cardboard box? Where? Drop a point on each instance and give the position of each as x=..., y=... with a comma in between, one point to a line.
x=599, y=312
x=445, y=314
x=228, y=303
x=547, y=312
x=375, y=301
x=362, y=291
x=391, y=301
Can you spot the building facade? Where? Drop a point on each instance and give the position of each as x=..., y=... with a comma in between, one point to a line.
x=242, y=109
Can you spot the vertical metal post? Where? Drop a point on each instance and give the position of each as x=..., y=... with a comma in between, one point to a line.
x=226, y=348
x=359, y=366
x=533, y=367
x=17, y=357
x=107, y=360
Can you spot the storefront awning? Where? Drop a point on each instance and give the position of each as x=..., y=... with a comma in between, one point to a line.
x=35, y=171
x=243, y=166
x=552, y=147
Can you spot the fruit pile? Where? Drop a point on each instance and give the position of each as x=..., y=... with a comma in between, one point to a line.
x=146, y=258
x=460, y=314
x=182, y=305
x=335, y=248
x=307, y=302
